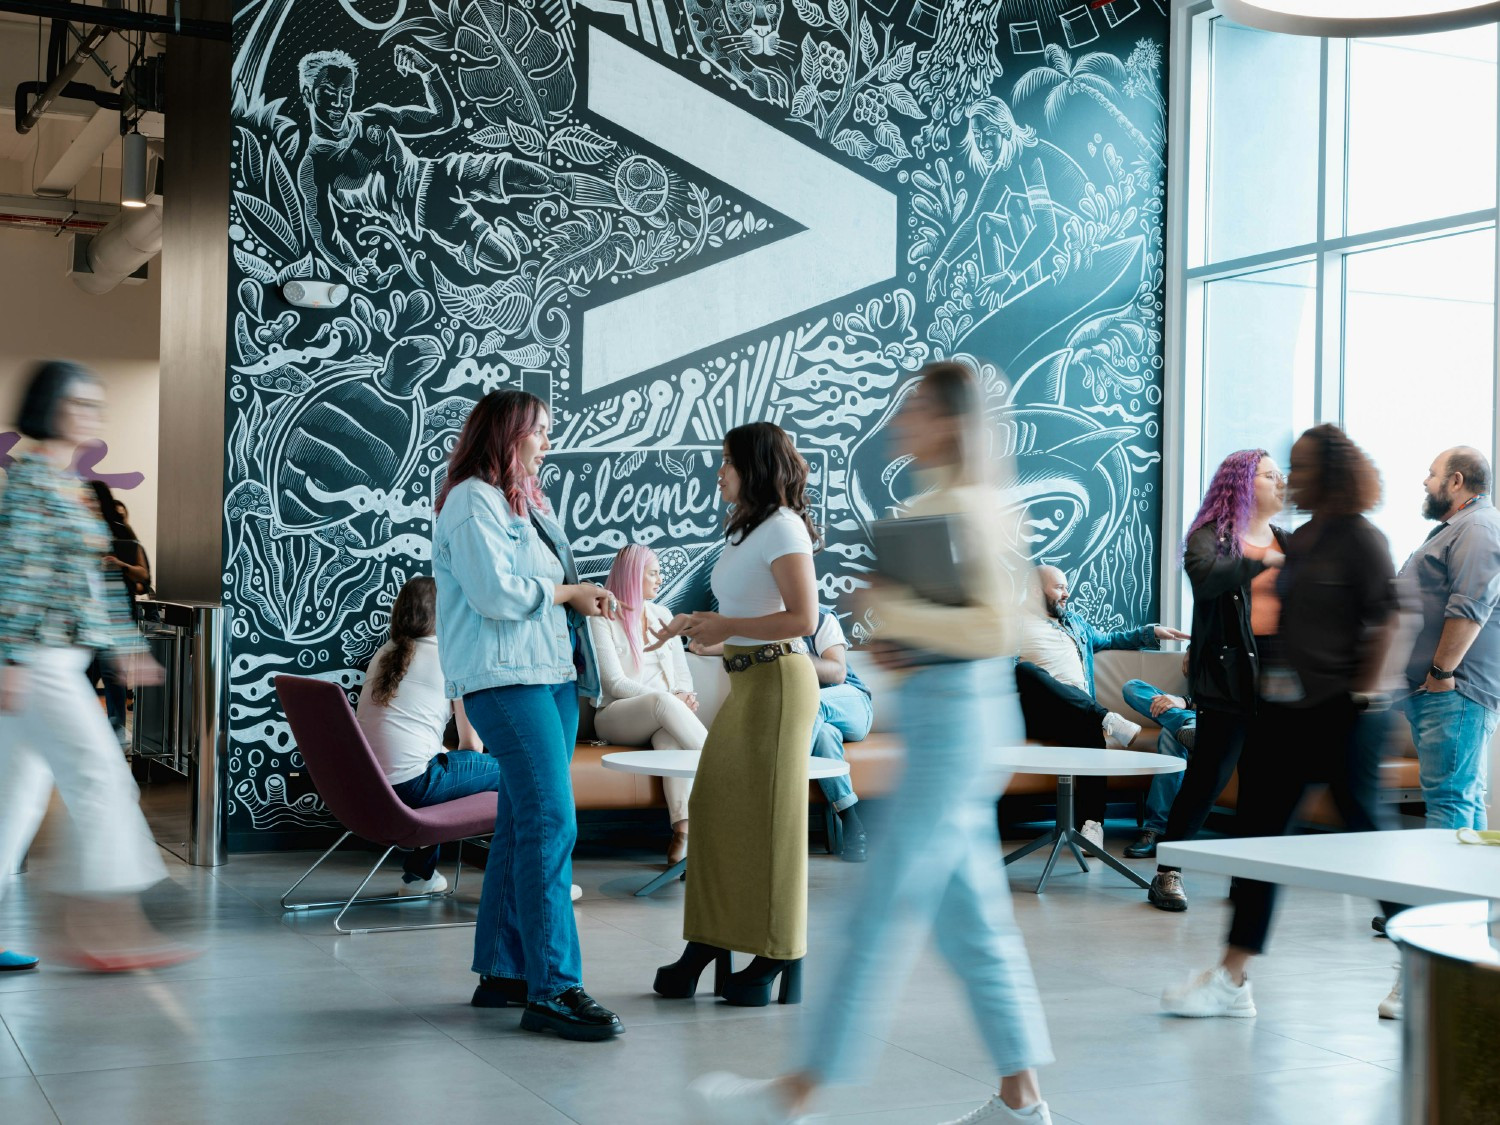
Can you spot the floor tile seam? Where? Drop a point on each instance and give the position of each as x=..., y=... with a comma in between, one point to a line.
x=1330, y=1065
x=1305, y=1043
x=145, y=978
x=519, y=1082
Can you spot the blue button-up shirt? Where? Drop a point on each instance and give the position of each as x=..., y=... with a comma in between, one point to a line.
x=1456, y=573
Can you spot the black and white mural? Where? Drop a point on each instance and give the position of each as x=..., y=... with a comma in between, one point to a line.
x=666, y=218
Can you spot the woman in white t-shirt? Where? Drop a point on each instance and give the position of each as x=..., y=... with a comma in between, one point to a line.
x=646, y=694
x=404, y=711
x=748, y=890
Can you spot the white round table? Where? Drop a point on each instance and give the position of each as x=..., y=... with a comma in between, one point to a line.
x=1066, y=763
x=684, y=763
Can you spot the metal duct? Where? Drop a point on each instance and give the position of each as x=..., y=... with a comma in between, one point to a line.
x=121, y=248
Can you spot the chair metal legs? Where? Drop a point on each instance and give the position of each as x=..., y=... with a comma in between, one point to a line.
x=352, y=899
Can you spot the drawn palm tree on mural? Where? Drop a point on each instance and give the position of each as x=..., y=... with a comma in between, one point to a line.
x=1093, y=76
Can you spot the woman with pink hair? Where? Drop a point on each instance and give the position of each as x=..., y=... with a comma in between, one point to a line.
x=647, y=696
x=1231, y=555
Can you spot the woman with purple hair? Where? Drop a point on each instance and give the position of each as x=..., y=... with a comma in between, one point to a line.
x=1231, y=555
x=647, y=695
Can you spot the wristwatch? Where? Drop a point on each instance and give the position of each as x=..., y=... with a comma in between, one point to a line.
x=1440, y=673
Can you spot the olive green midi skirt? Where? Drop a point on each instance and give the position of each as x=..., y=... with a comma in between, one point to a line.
x=747, y=874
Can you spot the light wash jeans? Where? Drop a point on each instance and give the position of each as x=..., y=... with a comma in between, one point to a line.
x=1452, y=735
x=844, y=712
x=936, y=868
x=526, y=927
x=1164, y=786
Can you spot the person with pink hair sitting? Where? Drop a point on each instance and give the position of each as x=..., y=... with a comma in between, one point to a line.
x=647, y=696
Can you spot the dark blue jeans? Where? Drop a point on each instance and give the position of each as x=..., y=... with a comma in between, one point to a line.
x=448, y=777
x=1164, y=786
x=526, y=928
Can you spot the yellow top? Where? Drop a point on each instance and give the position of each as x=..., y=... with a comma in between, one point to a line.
x=988, y=627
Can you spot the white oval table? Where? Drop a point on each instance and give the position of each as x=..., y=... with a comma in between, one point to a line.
x=684, y=763
x=1066, y=763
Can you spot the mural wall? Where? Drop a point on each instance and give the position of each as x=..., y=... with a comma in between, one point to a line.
x=669, y=217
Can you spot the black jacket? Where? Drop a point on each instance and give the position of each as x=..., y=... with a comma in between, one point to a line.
x=1223, y=664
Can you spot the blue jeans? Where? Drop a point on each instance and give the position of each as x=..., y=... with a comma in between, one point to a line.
x=936, y=868
x=1164, y=786
x=526, y=927
x=844, y=713
x=1452, y=735
x=448, y=777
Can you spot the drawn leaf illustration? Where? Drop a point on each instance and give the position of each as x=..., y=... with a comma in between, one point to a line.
x=890, y=136
x=286, y=197
x=855, y=143
x=303, y=267
x=838, y=11
x=503, y=307
x=585, y=248
x=581, y=144
x=528, y=76
x=273, y=231
x=809, y=65
x=250, y=159
x=491, y=136
x=899, y=98
x=803, y=102
x=674, y=466
x=528, y=140
x=868, y=49
x=531, y=355
x=630, y=464
x=884, y=163
x=251, y=266
x=896, y=65
x=810, y=13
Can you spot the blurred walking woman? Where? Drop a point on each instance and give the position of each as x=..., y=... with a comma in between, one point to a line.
x=748, y=887
x=54, y=615
x=512, y=646
x=936, y=865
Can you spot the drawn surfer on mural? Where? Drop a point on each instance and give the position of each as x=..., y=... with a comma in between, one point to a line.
x=358, y=163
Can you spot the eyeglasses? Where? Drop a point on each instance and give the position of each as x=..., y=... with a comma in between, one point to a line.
x=1279, y=478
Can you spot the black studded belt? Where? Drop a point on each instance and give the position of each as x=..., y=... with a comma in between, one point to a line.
x=763, y=654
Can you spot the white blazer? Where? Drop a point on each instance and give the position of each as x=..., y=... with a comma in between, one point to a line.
x=617, y=668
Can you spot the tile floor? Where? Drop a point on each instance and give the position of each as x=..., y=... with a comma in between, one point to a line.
x=281, y=1020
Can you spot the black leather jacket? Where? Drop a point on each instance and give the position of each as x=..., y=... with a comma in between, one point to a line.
x=1223, y=664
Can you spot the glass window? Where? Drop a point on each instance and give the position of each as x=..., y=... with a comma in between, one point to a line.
x=1421, y=139
x=1263, y=142
x=1419, y=363
x=1259, y=362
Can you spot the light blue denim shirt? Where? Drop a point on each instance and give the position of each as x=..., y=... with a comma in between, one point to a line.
x=497, y=624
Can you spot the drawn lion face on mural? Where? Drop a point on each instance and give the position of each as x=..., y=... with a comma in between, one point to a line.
x=754, y=25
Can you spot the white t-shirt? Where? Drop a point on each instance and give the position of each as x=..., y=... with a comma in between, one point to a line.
x=830, y=634
x=742, y=580
x=407, y=732
x=1052, y=650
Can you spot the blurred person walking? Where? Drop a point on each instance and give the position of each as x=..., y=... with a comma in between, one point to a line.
x=1339, y=616
x=936, y=866
x=127, y=574
x=1231, y=556
x=54, y=616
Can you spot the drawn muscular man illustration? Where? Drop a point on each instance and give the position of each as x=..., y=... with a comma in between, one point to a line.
x=358, y=163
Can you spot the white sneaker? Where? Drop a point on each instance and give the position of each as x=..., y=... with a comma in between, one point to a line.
x=722, y=1098
x=997, y=1111
x=1209, y=994
x=576, y=893
x=1093, y=832
x=434, y=886
x=1119, y=730
x=1393, y=1007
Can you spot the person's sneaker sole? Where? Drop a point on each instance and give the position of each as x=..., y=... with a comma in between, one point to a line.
x=565, y=1029
x=1231, y=1013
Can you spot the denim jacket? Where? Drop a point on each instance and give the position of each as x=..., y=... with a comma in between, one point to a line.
x=497, y=624
x=1090, y=640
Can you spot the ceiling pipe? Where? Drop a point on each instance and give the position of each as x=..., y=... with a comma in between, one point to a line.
x=121, y=248
x=121, y=18
x=59, y=83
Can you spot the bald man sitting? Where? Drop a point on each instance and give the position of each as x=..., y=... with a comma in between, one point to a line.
x=1055, y=678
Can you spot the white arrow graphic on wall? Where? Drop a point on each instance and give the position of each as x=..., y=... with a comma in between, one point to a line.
x=849, y=241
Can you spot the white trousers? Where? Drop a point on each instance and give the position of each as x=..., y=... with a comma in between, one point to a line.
x=60, y=736
x=663, y=722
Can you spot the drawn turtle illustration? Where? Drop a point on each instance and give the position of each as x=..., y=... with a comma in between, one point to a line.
x=358, y=432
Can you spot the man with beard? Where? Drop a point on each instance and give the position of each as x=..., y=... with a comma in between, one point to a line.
x=1055, y=679
x=1454, y=670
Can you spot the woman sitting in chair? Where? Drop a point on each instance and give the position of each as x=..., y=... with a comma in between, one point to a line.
x=647, y=697
x=404, y=713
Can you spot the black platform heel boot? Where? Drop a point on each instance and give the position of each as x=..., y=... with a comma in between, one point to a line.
x=679, y=980
x=751, y=987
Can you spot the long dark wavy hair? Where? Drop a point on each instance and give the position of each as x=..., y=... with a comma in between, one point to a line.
x=772, y=475
x=1230, y=500
x=413, y=617
x=487, y=449
x=1345, y=481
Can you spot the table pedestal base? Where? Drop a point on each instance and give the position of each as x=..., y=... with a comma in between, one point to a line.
x=678, y=870
x=1063, y=835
